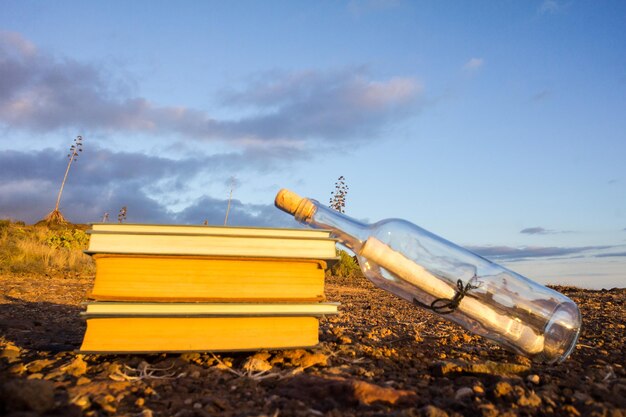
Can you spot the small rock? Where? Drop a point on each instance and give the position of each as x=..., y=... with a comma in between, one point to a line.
x=488, y=410
x=82, y=401
x=432, y=411
x=106, y=403
x=529, y=400
x=312, y=359
x=367, y=393
x=11, y=352
x=38, y=365
x=83, y=380
x=582, y=397
x=57, y=375
x=502, y=388
x=257, y=363
x=18, y=368
x=28, y=394
x=478, y=389
x=191, y=357
x=570, y=410
x=77, y=367
x=463, y=392
x=533, y=378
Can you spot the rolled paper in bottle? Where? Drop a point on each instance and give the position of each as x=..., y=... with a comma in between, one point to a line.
x=512, y=329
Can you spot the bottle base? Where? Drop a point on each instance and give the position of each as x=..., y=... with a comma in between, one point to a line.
x=561, y=333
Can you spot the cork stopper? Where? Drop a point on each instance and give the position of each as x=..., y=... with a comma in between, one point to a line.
x=299, y=207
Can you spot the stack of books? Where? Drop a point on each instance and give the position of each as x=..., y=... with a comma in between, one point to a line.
x=168, y=288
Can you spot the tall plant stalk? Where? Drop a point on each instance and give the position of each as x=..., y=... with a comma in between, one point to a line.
x=55, y=215
x=230, y=197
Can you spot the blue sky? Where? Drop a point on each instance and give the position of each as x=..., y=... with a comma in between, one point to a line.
x=497, y=125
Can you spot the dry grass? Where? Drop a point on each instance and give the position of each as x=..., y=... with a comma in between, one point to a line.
x=41, y=249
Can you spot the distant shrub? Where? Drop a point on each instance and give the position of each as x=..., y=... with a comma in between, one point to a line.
x=69, y=239
x=346, y=266
x=39, y=249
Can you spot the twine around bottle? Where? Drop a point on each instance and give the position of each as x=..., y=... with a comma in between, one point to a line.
x=449, y=305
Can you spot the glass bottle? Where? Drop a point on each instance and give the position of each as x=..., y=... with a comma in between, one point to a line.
x=422, y=268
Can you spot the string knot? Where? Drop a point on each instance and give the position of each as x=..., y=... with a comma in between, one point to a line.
x=449, y=305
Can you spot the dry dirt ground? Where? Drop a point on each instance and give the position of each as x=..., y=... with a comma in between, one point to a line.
x=381, y=356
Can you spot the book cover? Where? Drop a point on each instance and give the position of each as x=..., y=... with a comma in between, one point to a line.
x=197, y=334
x=207, y=230
x=211, y=245
x=127, y=309
x=184, y=327
x=196, y=278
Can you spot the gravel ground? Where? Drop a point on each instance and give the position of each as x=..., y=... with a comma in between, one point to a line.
x=381, y=356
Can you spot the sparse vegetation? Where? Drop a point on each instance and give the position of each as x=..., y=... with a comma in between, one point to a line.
x=121, y=217
x=346, y=267
x=43, y=250
x=338, y=197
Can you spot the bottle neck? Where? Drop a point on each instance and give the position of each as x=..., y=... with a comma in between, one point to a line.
x=346, y=230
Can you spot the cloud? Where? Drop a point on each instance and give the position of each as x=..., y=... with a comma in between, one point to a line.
x=214, y=210
x=537, y=231
x=549, y=7
x=542, y=231
x=611, y=255
x=511, y=253
x=104, y=181
x=41, y=93
x=332, y=105
x=474, y=64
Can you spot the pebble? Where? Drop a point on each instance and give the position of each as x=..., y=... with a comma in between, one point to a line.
x=18, y=368
x=502, y=388
x=533, y=378
x=463, y=392
x=367, y=393
x=83, y=380
x=257, y=364
x=38, y=365
x=529, y=400
x=432, y=411
x=77, y=367
x=11, y=352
